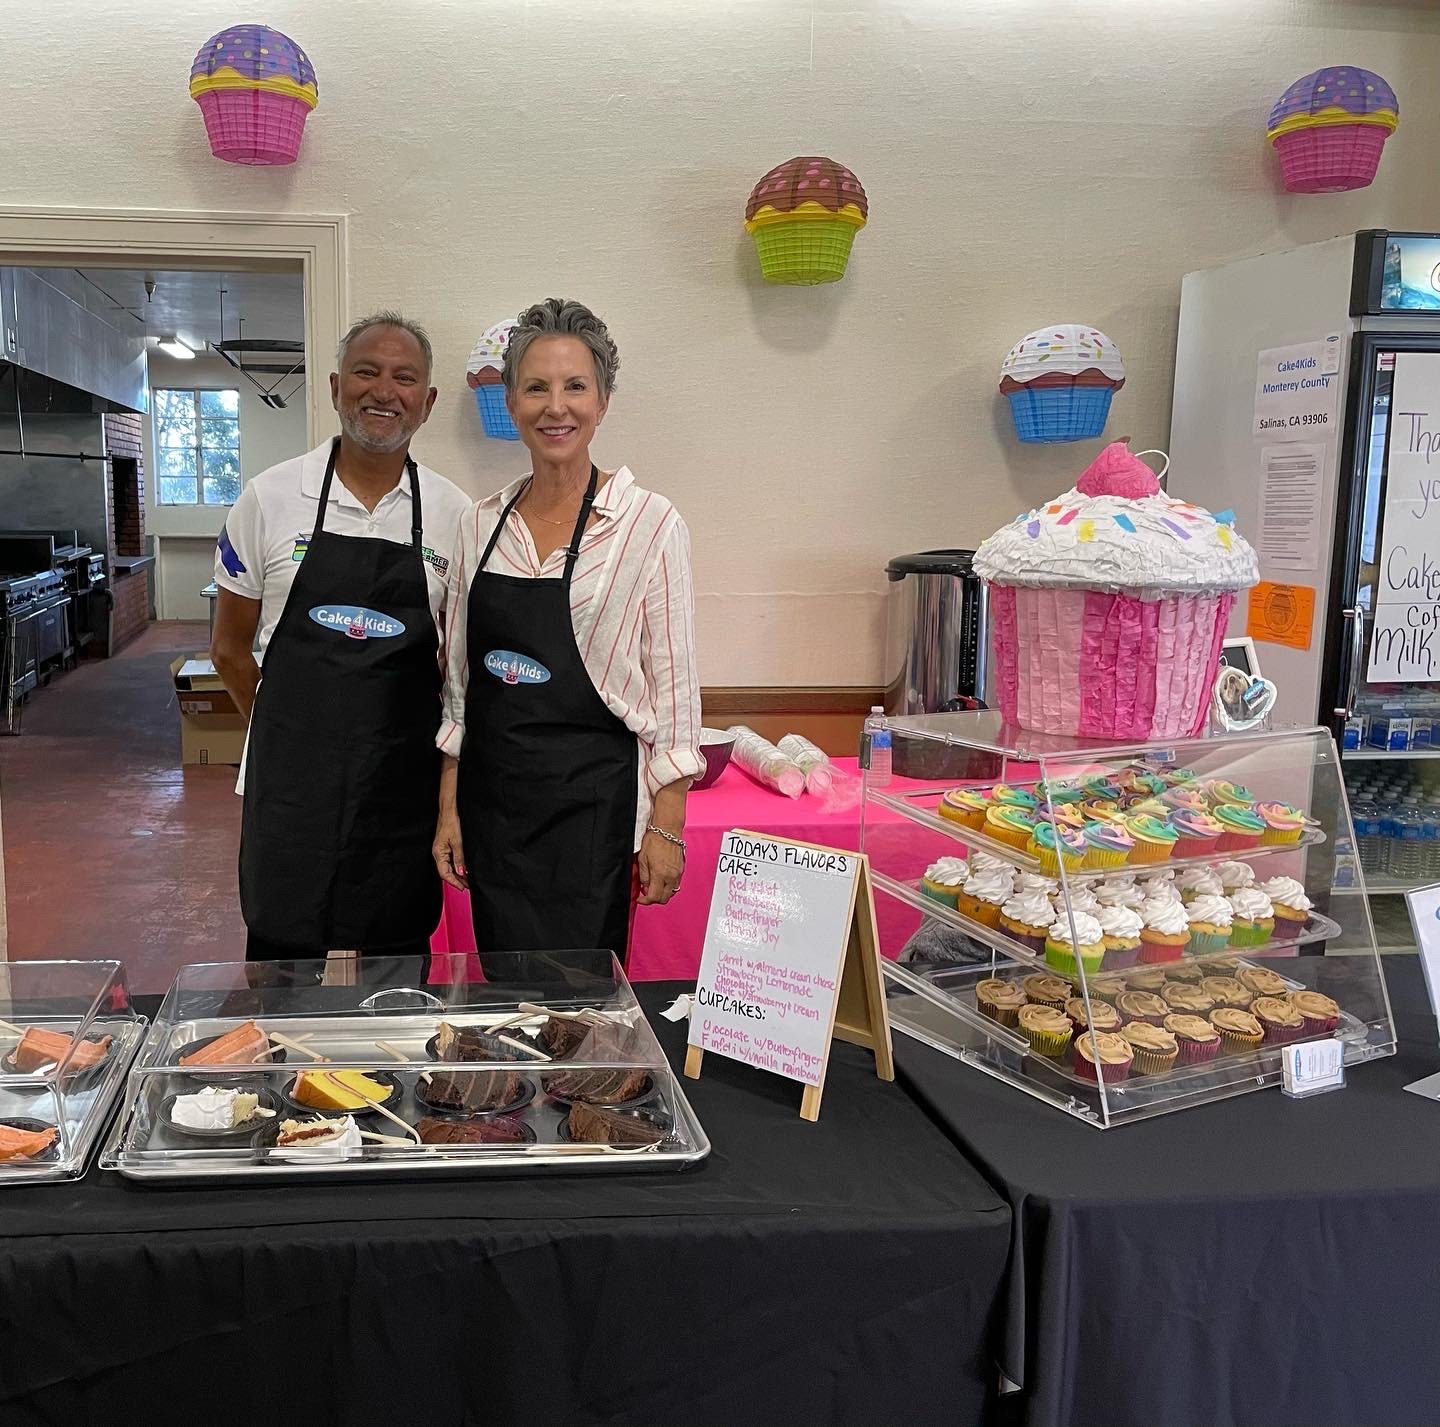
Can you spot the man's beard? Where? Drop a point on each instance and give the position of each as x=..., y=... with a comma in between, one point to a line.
x=350, y=424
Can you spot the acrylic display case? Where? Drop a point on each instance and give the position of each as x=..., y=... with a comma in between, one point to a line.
x=998, y=882
x=273, y=1070
x=67, y=1035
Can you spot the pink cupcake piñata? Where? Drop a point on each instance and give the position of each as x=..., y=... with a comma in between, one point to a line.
x=255, y=88
x=1109, y=606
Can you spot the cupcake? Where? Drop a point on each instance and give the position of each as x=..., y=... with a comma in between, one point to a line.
x=1060, y=381
x=1107, y=844
x=1139, y=783
x=1329, y=129
x=981, y=897
x=1009, y=796
x=1059, y=790
x=1197, y=1040
x=1088, y=946
x=1010, y=824
x=1210, y=916
x=1160, y=886
x=1234, y=875
x=1186, y=795
x=1102, y=810
x=1239, y=1030
x=1240, y=828
x=1101, y=787
x=943, y=879
x=1321, y=1014
x=1036, y=882
x=1119, y=892
x=1105, y=986
x=1121, y=927
x=1189, y=1000
x=966, y=807
x=1082, y=899
x=1174, y=777
x=1220, y=966
x=1112, y=1051
x=1000, y=1000
x=1102, y=1017
x=1109, y=604
x=988, y=862
x=1283, y=824
x=1199, y=882
x=1154, y=838
x=1196, y=832
x=1262, y=981
x=1142, y=1006
x=1290, y=905
x=1148, y=807
x=1046, y=1028
x=1279, y=1020
x=1043, y=990
x=255, y=88
x=1062, y=814
x=1254, y=922
x=1057, y=846
x=1155, y=1048
x=1027, y=916
x=1148, y=978
x=484, y=376
x=1220, y=792
x=803, y=216
x=1227, y=992
x=1165, y=932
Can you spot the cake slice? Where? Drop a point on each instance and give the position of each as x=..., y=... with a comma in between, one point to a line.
x=497, y=1130
x=25, y=1144
x=562, y=1036
x=40, y=1047
x=242, y=1046
x=602, y=1087
x=338, y=1090
x=473, y=1090
x=471, y=1043
x=591, y=1125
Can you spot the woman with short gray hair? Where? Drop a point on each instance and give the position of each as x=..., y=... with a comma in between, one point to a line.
x=572, y=701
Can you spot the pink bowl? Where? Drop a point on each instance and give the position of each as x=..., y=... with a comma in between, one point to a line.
x=716, y=746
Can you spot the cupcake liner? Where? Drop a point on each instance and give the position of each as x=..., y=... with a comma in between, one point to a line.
x=1198, y=1052
x=1290, y=928
x=1104, y=857
x=1154, y=953
x=1208, y=941
x=1251, y=935
x=1280, y=836
x=1331, y=158
x=1234, y=1043
x=1237, y=841
x=1120, y=958
x=1152, y=1062
x=1061, y=957
x=978, y=910
x=1281, y=1035
x=1050, y=859
x=1114, y=1074
x=1005, y=1015
x=1031, y=937
x=1195, y=846
x=937, y=893
x=1018, y=838
x=1318, y=1025
x=1052, y=1044
x=1151, y=852
x=973, y=818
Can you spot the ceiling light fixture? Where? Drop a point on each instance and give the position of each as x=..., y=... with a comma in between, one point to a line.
x=174, y=347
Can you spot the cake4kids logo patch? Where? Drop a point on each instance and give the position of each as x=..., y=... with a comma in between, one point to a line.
x=512, y=668
x=356, y=622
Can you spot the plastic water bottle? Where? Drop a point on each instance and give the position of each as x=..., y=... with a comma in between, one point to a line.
x=1431, y=816
x=1388, y=813
x=1407, y=852
x=877, y=747
x=1369, y=839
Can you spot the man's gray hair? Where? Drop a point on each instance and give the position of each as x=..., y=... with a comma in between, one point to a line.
x=386, y=317
x=559, y=317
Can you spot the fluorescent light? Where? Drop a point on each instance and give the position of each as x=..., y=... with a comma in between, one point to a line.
x=174, y=347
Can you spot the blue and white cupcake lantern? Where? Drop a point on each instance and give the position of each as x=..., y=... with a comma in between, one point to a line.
x=483, y=374
x=1060, y=381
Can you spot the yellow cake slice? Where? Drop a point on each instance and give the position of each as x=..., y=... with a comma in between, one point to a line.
x=338, y=1089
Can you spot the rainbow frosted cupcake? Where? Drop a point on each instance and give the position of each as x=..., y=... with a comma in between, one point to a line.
x=255, y=88
x=1102, y=810
x=1057, y=846
x=1186, y=795
x=1220, y=792
x=1211, y=918
x=1063, y=814
x=1010, y=824
x=1154, y=839
x=1241, y=827
x=1290, y=905
x=1197, y=833
x=1149, y=807
x=1058, y=790
x=1107, y=845
x=1006, y=795
x=1086, y=950
x=1283, y=824
x=965, y=806
x=1254, y=917
x=943, y=880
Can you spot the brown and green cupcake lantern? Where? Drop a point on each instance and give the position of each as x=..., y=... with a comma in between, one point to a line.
x=803, y=216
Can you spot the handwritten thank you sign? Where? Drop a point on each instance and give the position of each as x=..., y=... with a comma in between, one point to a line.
x=1406, y=642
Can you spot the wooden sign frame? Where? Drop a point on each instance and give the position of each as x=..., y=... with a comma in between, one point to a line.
x=858, y=1012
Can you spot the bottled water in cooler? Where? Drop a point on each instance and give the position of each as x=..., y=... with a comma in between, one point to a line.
x=1370, y=844
x=1408, y=854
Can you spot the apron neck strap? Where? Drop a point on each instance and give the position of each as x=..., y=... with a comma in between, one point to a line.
x=416, y=521
x=572, y=552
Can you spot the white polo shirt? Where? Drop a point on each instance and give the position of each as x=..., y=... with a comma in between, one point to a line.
x=268, y=531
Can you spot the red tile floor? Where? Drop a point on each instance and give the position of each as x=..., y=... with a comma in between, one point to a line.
x=111, y=847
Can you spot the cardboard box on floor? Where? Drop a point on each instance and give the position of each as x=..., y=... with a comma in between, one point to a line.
x=212, y=729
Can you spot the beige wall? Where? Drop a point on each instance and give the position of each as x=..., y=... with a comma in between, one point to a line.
x=1027, y=161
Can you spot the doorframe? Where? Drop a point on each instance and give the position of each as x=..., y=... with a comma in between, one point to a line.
x=148, y=237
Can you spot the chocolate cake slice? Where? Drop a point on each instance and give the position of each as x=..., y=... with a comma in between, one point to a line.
x=499, y=1130
x=600, y=1087
x=472, y=1090
x=589, y=1124
x=561, y=1036
x=471, y=1043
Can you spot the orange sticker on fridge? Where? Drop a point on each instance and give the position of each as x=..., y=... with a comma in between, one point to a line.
x=1281, y=614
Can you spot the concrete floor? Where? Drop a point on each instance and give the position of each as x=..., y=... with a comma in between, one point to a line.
x=111, y=847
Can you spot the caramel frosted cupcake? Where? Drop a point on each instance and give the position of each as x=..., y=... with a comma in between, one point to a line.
x=1052, y=991
x=1239, y=1030
x=1000, y=1000
x=1188, y=971
x=1280, y=1021
x=1262, y=981
x=1111, y=1051
x=1107, y=988
x=1154, y=1047
x=1142, y=1006
x=1047, y=1029
x=1192, y=1000
x=1198, y=1040
x=1103, y=1016
x=1151, y=979
x=1321, y=1014
x=1227, y=991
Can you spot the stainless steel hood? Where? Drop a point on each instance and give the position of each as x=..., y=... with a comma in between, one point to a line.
x=47, y=332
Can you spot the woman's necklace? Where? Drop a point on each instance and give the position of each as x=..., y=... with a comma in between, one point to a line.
x=545, y=519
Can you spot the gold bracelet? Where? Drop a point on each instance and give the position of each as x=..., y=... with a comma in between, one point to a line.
x=668, y=836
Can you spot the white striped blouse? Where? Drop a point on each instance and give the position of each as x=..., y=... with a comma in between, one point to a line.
x=633, y=610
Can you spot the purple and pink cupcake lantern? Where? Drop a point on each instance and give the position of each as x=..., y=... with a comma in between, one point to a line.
x=255, y=88
x=1109, y=606
x=1330, y=127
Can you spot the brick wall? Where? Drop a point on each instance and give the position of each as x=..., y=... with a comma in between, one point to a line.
x=126, y=487
x=131, y=611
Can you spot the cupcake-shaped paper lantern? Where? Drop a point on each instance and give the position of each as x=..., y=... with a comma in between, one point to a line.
x=484, y=374
x=1109, y=604
x=1330, y=127
x=1060, y=381
x=255, y=88
x=803, y=217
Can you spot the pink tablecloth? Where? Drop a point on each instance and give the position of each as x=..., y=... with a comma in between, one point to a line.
x=668, y=939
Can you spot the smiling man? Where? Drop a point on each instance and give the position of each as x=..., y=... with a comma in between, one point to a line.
x=339, y=560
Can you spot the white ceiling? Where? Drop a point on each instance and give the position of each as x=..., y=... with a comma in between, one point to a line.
x=188, y=303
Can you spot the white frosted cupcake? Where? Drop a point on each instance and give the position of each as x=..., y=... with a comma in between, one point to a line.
x=943, y=880
x=1211, y=917
x=1112, y=893
x=1254, y=917
x=1234, y=875
x=1291, y=906
x=983, y=894
x=1027, y=916
x=1199, y=882
x=1121, y=926
x=1165, y=932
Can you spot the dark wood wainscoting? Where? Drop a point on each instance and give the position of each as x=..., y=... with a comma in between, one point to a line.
x=829, y=717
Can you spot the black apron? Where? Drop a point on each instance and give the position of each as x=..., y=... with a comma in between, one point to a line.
x=342, y=775
x=548, y=775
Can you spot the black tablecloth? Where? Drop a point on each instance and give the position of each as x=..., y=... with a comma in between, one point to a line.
x=846, y=1271
x=1260, y=1261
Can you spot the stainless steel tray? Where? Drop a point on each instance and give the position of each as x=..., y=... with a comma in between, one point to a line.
x=142, y=1148
x=87, y=1110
